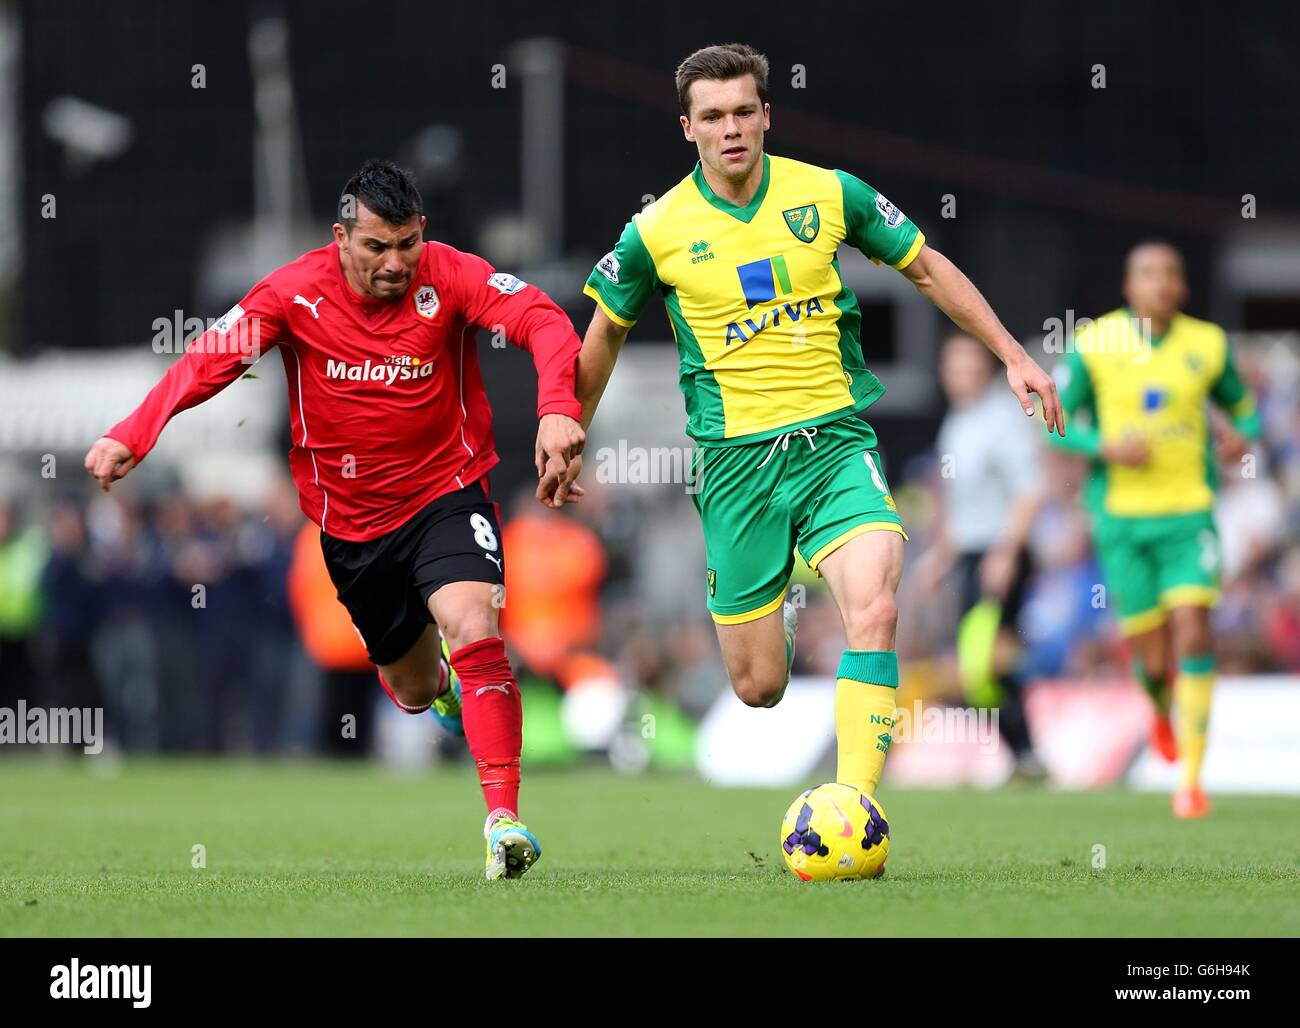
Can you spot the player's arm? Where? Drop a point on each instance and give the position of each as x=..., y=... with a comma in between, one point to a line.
x=1231, y=394
x=211, y=362
x=621, y=283
x=882, y=232
x=1074, y=386
x=600, y=349
x=537, y=325
x=943, y=284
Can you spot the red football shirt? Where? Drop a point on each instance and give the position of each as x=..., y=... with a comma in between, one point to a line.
x=386, y=399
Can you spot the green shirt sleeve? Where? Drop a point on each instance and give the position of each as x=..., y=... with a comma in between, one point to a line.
x=1074, y=385
x=624, y=279
x=875, y=226
x=1231, y=393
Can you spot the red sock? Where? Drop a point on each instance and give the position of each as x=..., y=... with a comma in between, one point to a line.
x=494, y=719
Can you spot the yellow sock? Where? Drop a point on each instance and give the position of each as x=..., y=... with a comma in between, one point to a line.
x=1193, y=689
x=865, y=692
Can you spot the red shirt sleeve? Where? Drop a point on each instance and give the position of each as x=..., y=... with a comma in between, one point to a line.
x=211, y=362
x=532, y=321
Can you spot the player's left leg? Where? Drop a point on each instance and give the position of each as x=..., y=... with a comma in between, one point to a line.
x=372, y=580
x=1150, y=664
x=458, y=567
x=1188, y=558
x=1193, y=692
x=421, y=679
x=493, y=717
x=863, y=576
x=850, y=533
x=1131, y=564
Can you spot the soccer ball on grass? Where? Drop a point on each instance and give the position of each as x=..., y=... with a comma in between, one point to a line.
x=835, y=832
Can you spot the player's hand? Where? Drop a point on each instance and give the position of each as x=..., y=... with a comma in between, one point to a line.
x=568, y=490
x=1230, y=445
x=108, y=460
x=996, y=572
x=558, y=487
x=1024, y=376
x=1131, y=451
x=560, y=440
x=558, y=436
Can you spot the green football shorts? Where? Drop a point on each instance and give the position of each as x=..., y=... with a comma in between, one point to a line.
x=1154, y=564
x=812, y=489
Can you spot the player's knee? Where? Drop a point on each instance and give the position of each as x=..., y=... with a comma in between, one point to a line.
x=1192, y=637
x=871, y=625
x=756, y=690
x=412, y=690
x=1195, y=643
x=469, y=626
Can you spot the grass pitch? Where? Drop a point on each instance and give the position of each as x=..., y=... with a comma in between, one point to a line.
x=331, y=849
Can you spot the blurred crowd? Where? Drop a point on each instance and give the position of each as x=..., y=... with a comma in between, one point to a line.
x=201, y=626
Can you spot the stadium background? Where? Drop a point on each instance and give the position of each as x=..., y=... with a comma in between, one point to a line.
x=534, y=138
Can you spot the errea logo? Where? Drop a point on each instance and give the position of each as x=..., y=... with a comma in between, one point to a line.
x=700, y=252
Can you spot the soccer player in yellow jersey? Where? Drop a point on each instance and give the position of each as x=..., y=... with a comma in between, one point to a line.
x=744, y=252
x=1142, y=376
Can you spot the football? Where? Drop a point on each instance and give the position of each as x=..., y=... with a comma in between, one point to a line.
x=835, y=832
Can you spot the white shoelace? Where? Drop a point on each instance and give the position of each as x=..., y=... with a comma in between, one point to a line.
x=783, y=440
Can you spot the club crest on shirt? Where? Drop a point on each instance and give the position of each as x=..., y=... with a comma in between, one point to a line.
x=804, y=222
x=426, y=301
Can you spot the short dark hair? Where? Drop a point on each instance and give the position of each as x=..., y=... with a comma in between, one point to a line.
x=386, y=188
x=721, y=62
x=1148, y=244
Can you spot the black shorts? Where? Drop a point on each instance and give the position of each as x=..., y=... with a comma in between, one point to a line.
x=385, y=583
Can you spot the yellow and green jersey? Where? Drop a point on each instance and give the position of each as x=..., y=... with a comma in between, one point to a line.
x=766, y=330
x=1156, y=389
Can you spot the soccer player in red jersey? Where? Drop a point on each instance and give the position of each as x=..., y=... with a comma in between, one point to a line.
x=392, y=445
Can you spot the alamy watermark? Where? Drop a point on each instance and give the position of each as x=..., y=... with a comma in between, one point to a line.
x=647, y=465
x=938, y=724
x=230, y=333
x=75, y=980
x=80, y=726
x=1071, y=334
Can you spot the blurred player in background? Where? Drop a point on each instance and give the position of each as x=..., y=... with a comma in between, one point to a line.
x=772, y=369
x=392, y=445
x=1143, y=374
x=991, y=492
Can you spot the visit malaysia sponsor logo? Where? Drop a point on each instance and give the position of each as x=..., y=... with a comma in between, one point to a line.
x=399, y=367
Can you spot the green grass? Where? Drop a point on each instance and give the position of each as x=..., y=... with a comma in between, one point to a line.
x=332, y=849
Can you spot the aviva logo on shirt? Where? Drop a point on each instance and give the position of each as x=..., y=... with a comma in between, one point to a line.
x=762, y=282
